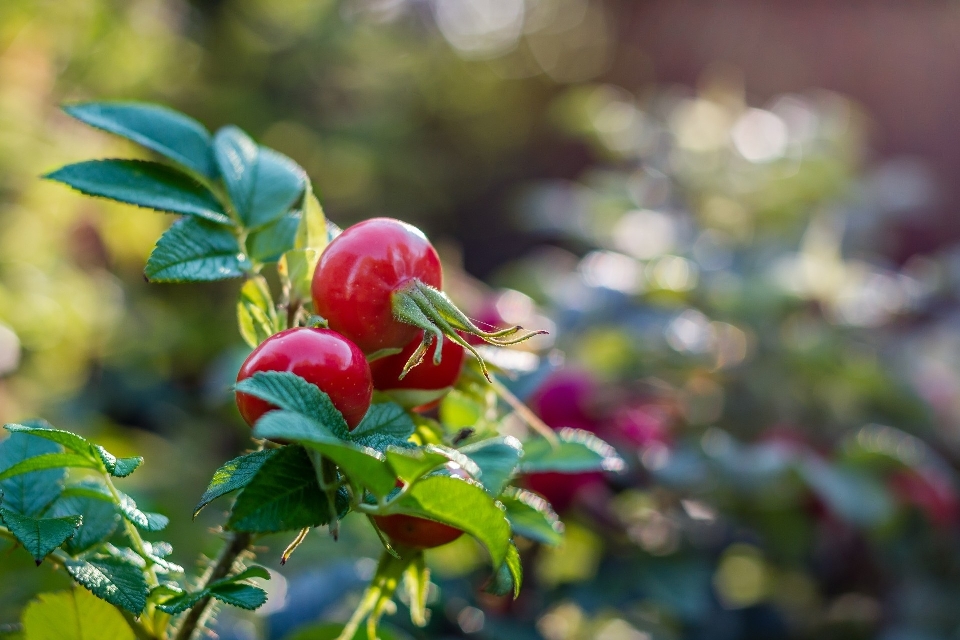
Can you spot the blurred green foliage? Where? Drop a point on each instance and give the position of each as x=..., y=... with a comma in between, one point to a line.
x=718, y=272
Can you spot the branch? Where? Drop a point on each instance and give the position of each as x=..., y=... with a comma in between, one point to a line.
x=237, y=543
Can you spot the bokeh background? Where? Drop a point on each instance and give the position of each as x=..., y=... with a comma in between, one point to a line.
x=738, y=220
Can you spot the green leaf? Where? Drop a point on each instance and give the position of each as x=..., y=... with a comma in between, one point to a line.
x=167, y=132
x=284, y=495
x=296, y=267
x=234, y=475
x=119, y=583
x=387, y=418
x=263, y=184
x=143, y=184
x=312, y=232
x=144, y=520
x=509, y=576
x=244, y=596
x=49, y=461
x=410, y=465
x=364, y=466
x=180, y=603
x=269, y=243
x=577, y=452
x=193, y=250
x=256, y=315
x=73, y=615
x=532, y=517
x=30, y=493
x=42, y=429
x=462, y=504
x=253, y=571
x=228, y=590
x=100, y=520
x=118, y=467
x=381, y=442
x=40, y=536
x=497, y=458
x=291, y=392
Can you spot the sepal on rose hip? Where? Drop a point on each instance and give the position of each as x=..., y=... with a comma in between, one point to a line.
x=431, y=310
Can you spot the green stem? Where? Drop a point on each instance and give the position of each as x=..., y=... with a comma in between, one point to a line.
x=525, y=413
x=237, y=544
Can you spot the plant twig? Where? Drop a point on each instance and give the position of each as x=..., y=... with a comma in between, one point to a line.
x=236, y=544
x=525, y=413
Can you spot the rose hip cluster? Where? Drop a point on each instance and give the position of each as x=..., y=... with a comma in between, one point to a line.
x=362, y=287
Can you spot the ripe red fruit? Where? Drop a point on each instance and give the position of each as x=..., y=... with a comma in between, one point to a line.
x=419, y=533
x=319, y=356
x=361, y=269
x=425, y=376
x=416, y=533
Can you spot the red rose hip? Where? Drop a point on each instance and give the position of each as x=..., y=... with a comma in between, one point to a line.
x=319, y=356
x=359, y=272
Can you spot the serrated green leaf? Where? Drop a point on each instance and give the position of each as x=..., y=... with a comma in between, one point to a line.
x=253, y=571
x=145, y=184
x=270, y=242
x=364, y=466
x=119, y=583
x=381, y=442
x=118, y=467
x=194, y=250
x=180, y=603
x=510, y=575
x=497, y=458
x=73, y=615
x=49, y=461
x=283, y=495
x=40, y=536
x=291, y=392
x=30, y=493
x=234, y=475
x=578, y=451
x=462, y=504
x=144, y=520
x=256, y=314
x=532, y=517
x=263, y=184
x=100, y=520
x=387, y=418
x=244, y=596
x=162, y=130
x=43, y=429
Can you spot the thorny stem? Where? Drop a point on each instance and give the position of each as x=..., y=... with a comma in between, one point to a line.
x=237, y=543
